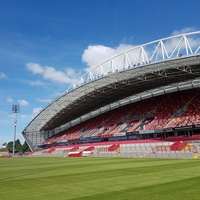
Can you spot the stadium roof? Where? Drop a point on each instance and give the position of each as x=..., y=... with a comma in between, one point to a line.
x=151, y=69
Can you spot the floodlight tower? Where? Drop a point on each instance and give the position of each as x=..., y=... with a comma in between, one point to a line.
x=15, y=109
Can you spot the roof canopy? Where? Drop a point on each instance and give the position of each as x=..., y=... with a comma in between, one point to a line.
x=154, y=68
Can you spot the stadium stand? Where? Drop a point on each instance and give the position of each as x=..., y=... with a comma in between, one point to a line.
x=150, y=148
x=141, y=103
x=143, y=117
x=5, y=154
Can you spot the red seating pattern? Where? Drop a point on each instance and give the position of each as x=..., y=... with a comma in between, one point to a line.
x=114, y=147
x=171, y=110
x=178, y=146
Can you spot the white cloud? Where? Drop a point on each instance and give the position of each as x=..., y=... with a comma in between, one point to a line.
x=50, y=73
x=94, y=55
x=36, y=83
x=70, y=72
x=35, y=68
x=183, y=30
x=36, y=110
x=11, y=116
x=31, y=116
x=171, y=44
x=23, y=102
x=97, y=54
x=3, y=113
x=24, y=116
x=58, y=94
x=2, y=75
x=44, y=100
x=9, y=100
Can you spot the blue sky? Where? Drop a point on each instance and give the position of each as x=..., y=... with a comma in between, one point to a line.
x=45, y=45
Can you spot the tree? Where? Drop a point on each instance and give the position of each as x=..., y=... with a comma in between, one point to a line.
x=18, y=147
x=25, y=147
x=9, y=146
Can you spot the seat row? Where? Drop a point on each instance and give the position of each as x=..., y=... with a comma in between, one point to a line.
x=171, y=110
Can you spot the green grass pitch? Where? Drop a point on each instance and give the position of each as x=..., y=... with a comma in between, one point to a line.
x=98, y=178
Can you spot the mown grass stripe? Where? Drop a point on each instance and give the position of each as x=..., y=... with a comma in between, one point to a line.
x=66, y=178
x=178, y=190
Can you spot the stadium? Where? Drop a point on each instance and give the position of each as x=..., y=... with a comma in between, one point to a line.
x=142, y=103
